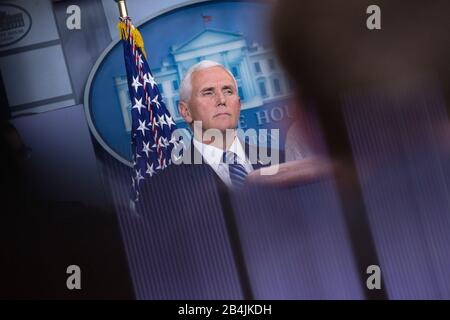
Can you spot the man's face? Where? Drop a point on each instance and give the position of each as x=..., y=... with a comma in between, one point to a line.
x=214, y=100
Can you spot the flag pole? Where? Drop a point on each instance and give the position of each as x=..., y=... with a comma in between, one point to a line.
x=122, y=8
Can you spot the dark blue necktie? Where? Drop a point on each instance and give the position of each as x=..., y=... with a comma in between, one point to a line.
x=236, y=170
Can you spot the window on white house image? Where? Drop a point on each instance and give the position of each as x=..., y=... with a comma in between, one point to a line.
x=257, y=67
x=276, y=86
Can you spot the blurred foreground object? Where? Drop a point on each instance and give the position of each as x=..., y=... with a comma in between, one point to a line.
x=378, y=95
x=327, y=48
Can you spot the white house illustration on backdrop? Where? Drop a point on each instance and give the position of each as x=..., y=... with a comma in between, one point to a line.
x=256, y=71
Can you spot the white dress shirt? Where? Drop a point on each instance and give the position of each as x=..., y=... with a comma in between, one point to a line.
x=213, y=157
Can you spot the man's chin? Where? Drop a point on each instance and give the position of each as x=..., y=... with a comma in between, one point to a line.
x=223, y=127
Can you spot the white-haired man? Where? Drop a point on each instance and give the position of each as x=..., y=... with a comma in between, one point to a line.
x=210, y=104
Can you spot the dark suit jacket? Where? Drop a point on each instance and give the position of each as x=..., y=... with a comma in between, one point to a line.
x=187, y=178
x=189, y=198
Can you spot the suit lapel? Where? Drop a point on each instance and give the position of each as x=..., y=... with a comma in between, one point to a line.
x=192, y=153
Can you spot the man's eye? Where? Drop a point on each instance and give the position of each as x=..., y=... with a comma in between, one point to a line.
x=228, y=91
x=207, y=93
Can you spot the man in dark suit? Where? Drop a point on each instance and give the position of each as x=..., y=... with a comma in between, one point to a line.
x=195, y=207
x=195, y=195
x=210, y=104
x=216, y=160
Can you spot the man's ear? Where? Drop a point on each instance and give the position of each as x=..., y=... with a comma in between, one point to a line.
x=185, y=112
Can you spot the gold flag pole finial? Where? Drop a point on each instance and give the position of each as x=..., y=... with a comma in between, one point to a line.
x=122, y=8
x=122, y=25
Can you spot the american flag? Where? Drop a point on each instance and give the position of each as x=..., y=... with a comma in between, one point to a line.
x=152, y=124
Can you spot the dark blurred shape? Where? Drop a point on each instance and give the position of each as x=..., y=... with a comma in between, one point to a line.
x=327, y=49
x=5, y=112
x=331, y=55
x=39, y=240
x=306, y=159
x=14, y=155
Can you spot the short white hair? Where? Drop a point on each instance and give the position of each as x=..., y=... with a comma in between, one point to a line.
x=186, y=83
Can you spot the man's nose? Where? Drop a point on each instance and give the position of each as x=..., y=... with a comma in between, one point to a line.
x=220, y=99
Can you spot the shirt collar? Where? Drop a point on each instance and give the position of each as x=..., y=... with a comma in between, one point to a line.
x=213, y=155
x=238, y=149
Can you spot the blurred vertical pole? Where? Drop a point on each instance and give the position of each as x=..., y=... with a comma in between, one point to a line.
x=350, y=193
